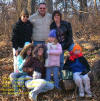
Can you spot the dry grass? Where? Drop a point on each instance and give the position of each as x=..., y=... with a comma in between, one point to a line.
x=89, y=39
x=6, y=91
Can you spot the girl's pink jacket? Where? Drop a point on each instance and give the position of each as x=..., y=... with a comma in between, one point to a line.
x=54, y=51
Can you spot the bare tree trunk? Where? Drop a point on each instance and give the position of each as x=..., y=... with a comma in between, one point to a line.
x=55, y=6
x=31, y=6
x=83, y=9
x=18, y=8
x=20, y=4
x=85, y=5
x=50, y=5
x=95, y=7
x=73, y=8
x=65, y=8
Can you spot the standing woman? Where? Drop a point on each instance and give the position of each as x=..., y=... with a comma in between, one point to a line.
x=21, y=33
x=64, y=35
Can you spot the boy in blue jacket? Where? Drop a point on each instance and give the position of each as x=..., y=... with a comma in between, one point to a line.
x=80, y=68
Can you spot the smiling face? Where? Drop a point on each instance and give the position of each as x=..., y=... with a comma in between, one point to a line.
x=24, y=18
x=57, y=18
x=29, y=51
x=77, y=52
x=42, y=9
x=40, y=51
x=51, y=39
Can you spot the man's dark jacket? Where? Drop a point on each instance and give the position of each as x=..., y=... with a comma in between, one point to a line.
x=66, y=30
x=21, y=33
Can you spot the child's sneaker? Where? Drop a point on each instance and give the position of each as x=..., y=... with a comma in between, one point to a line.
x=32, y=97
x=81, y=94
x=89, y=94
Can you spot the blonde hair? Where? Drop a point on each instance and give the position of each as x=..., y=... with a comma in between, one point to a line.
x=55, y=42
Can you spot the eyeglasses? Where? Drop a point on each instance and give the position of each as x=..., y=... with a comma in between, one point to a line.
x=57, y=15
x=43, y=8
x=25, y=16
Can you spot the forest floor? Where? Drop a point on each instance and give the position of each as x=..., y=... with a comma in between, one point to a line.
x=91, y=50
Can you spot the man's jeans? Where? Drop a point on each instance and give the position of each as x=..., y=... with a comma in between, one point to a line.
x=62, y=59
x=38, y=42
x=61, y=64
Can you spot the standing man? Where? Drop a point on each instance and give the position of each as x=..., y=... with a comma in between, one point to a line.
x=41, y=21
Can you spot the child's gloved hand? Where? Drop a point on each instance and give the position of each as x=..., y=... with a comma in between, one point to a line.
x=36, y=75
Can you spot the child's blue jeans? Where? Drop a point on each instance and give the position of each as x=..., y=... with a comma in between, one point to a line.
x=55, y=71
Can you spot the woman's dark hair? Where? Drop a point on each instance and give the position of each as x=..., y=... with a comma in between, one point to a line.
x=56, y=12
x=23, y=52
x=35, y=51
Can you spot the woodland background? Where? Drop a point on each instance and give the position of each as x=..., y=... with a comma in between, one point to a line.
x=84, y=16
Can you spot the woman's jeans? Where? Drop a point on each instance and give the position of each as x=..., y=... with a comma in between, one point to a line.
x=14, y=78
x=55, y=71
x=62, y=59
x=38, y=85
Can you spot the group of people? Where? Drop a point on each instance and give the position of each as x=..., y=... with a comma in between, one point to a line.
x=39, y=42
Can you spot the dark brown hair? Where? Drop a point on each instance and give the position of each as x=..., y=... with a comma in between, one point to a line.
x=23, y=52
x=56, y=12
x=35, y=51
x=43, y=3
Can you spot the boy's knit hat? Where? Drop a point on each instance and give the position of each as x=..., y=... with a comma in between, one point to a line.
x=24, y=12
x=52, y=33
x=77, y=47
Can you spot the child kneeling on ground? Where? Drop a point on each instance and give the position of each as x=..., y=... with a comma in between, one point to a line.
x=80, y=68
